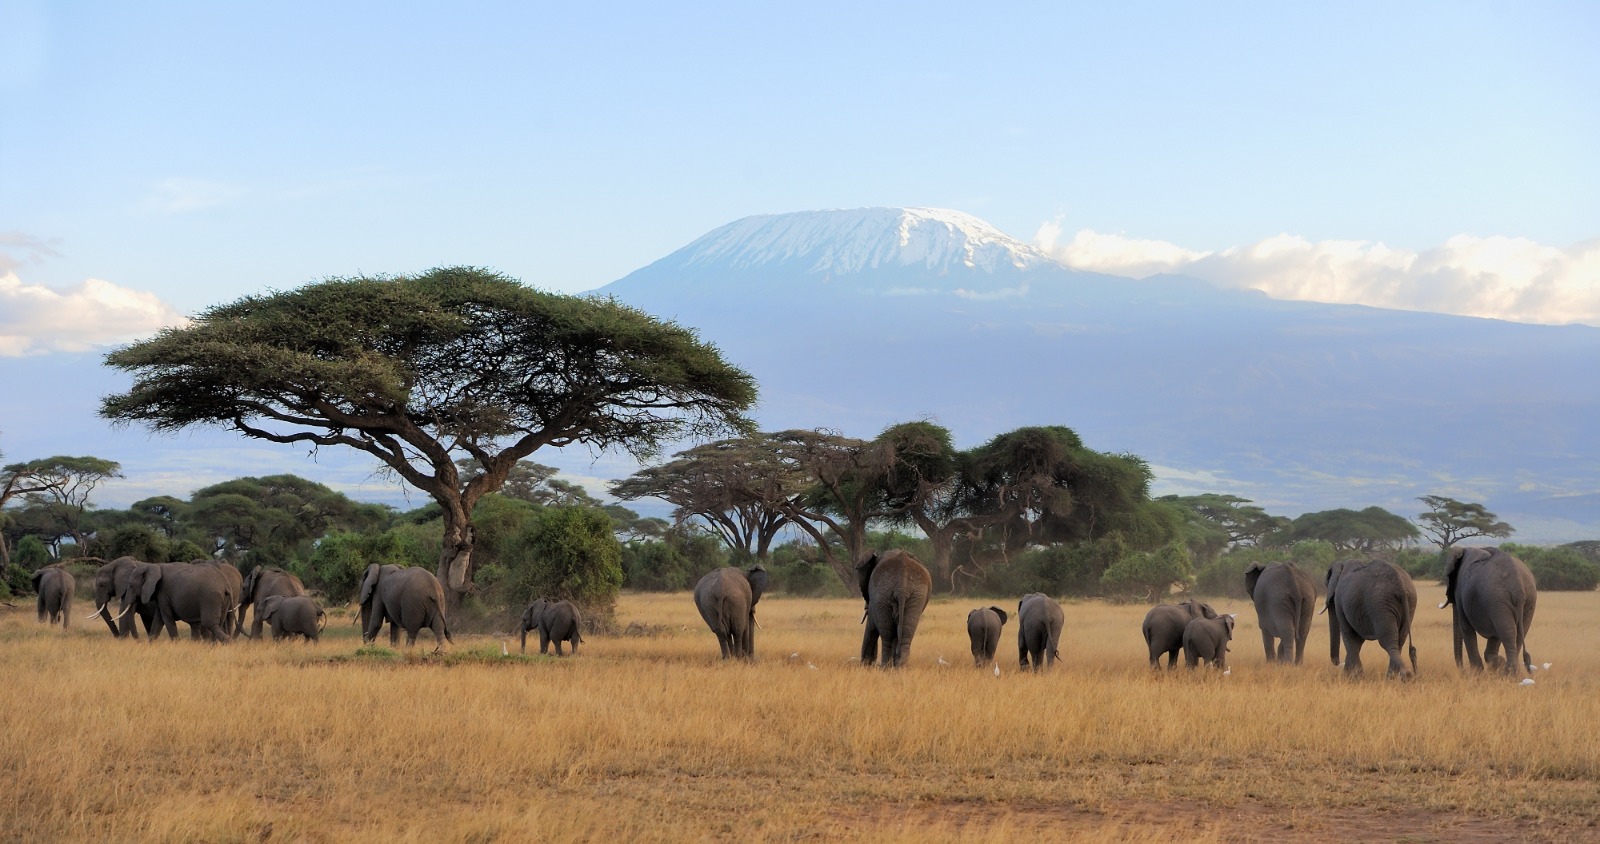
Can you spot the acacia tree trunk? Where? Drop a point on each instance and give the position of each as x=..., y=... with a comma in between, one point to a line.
x=455, y=556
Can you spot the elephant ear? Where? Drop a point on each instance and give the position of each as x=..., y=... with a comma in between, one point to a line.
x=247, y=590
x=269, y=607
x=1453, y=558
x=152, y=578
x=758, y=583
x=370, y=582
x=1002, y=613
x=1205, y=610
x=37, y=576
x=864, y=574
x=1251, y=575
x=1332, y=582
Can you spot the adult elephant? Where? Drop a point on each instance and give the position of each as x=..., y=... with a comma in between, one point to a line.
x=261, y=584
x=111, y=584
x=895, y=587
x=983, y=629
x=727, y=600
x=409, y=598
x=54, y=585
x=1163, y=629
x=233, y=623
x=1039, y=622
x=1493, y=594
x=1285, y=599
x=197, y=594
x=1372, y=600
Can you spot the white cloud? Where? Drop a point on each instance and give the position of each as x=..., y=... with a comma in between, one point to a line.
x=35, y=319
x=1500, y=277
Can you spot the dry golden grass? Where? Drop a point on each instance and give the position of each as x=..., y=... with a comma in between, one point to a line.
x=647, y=738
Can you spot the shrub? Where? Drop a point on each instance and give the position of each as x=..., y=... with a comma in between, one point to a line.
x=1560, y=569
x=1149, y=574
x=567, y=552
x=31, y=553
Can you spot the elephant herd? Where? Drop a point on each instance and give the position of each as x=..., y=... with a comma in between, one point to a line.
x=1492, y=595
x=212, y=598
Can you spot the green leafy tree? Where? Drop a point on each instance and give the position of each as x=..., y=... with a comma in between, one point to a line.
x=1212, y=523
x=274, y=520
x=568, y=553
x=60, y=484
x=1351, y=531
x=1149, y=575
x=1449, y=521
x=1559, y=569
x=419, y=371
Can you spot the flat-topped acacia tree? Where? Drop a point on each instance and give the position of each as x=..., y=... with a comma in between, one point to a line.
x=421, y=370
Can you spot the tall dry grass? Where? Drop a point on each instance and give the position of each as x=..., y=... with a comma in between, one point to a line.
x=651, y=737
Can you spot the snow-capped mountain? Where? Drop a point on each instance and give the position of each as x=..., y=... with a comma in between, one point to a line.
x=859, y=319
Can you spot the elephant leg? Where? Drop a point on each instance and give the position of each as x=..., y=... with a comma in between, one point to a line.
x=544, y=642
x=558, y=648
x=255, y=623
x=524, y=641
x=1469, y=640
x=411, y=636
x=394, y=634
x=891, y=647
x=869, y=644
x=1285, y=650
x=1266, y=644
x=1491, y=654
x=1352, y=650
x=574, y=642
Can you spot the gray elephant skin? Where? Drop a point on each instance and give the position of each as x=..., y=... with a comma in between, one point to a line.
x=895, y=587
x=1207, y=639
x=233, y=623
x=1163, y=629
x=556, y=621
x=407, y=598
x=1370, y=601
x=55, y=585
x=111, y=584
x=1285, y=598
x=1493, y=595
x=1039, y=623
x=983, y=628
x=292, y=615
x=727, y=599
x=261, y=584
x=200, y=595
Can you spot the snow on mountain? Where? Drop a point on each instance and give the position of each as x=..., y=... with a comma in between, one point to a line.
x=839, y=242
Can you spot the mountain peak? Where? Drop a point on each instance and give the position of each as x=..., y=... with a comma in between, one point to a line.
x=838, y=242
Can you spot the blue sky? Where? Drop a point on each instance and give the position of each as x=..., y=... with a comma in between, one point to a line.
x=156, y=158
x=202, y=151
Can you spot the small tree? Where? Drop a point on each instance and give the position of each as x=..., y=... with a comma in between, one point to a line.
x=1449, y=521
x=1150, y=575
x=568, y=553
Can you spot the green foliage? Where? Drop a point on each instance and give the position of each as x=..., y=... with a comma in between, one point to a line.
x=1449, y=521
x=797, y=568
x=31, y=554
x=341, y=558
x=1365, y=531
x=1149, y=575
x=1211, y=523
x=1224, y=577
x=1559, y=569
x=1420, y=563
x=674, y=562
x=567, y=552
x=139, y=541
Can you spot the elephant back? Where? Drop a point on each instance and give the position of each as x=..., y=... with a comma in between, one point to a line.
x=899, y=572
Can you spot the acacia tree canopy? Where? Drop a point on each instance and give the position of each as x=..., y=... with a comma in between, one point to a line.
x=1449, y=521
x=422, y=370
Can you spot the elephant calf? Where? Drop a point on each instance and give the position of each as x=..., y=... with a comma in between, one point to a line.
x=55, y=587
x=556, y=621
x=1163, y=629
x=1207, y=639
x=983, y=628
x=292, y=615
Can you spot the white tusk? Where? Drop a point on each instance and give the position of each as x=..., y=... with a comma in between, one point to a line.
x=1442, y=604
x=124, y=612
x=1323, y=610
x=97, y=610
x=757, y=621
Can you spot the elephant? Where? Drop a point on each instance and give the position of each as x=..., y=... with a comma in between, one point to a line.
x=261, y=584
x=557, y=621
x=1207, y=639
x=198, y=594
x=727, y=599
x=1371, y=600
x=1493, y=594
x=55, y=585
x=1163, y=629
x=983, y=628
x=1285, y=599
x=233, y=623
x=409, y=598
x=110, y=583
x=895, y=587
x=292, y=615
x=1039, y=621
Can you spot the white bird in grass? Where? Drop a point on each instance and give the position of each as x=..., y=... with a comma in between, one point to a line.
x=942, y=662
x=997, y=669
x=503, y=650
x=1528, y=682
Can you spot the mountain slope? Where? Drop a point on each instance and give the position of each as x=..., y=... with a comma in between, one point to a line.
x=850, y=323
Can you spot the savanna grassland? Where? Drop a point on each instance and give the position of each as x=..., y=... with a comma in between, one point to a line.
x=648, y=737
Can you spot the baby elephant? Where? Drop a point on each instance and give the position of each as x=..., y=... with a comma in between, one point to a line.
x=983, y=628
x=555, y=620
x=1207, y=639
x=295, y=615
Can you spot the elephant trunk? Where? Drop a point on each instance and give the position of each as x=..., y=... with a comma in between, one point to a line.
x=1455, y=624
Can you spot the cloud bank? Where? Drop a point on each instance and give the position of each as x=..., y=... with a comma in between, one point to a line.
x=35, y=319
x=1498, y=277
